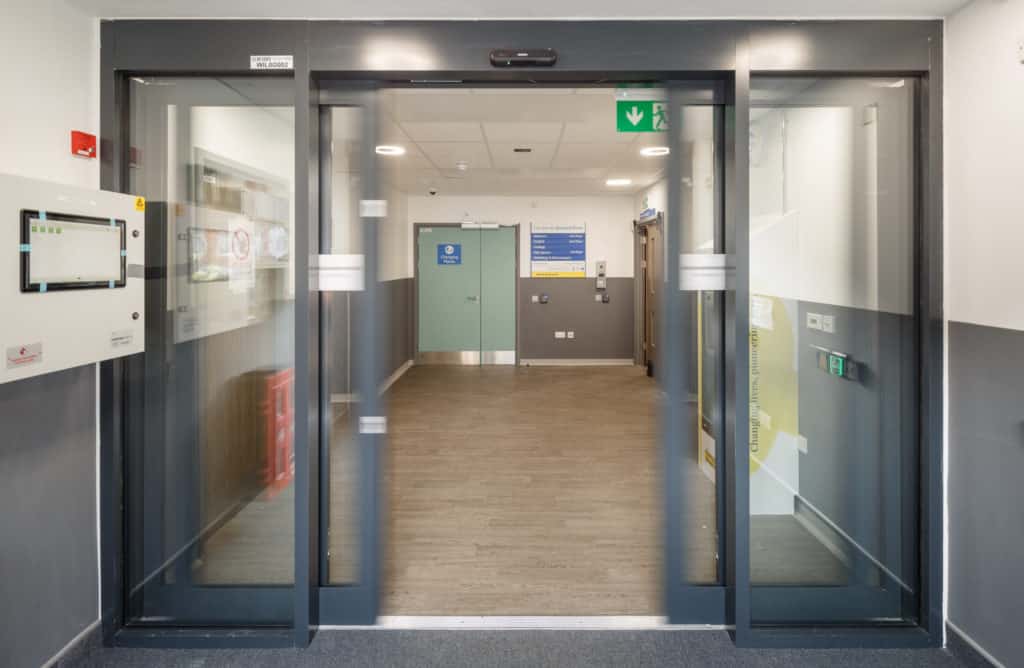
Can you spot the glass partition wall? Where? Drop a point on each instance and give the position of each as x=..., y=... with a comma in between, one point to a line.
x=834, y=452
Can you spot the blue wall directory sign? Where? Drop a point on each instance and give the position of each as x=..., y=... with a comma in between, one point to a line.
x=558, y=250
x=449, y=253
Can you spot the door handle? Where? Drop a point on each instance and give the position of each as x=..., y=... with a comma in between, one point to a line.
x=473, y=298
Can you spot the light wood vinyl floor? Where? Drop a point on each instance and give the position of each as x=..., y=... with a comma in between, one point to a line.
x=523, y=491
x=514, y=491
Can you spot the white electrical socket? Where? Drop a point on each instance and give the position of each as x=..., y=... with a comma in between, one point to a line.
x=597, y=298
x=534, y=298
x=570, y=334
x=813, y=321
x=559, y=335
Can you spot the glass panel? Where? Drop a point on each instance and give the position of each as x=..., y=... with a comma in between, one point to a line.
x=699, y=339
x=343, y=307
x=210, y=457
x=833, y=375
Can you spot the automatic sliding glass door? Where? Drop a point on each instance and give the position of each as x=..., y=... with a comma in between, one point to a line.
x=209, y=453
x=354, y=338
x=693, y=364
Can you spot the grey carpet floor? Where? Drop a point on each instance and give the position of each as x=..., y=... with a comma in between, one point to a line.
x=450, y=649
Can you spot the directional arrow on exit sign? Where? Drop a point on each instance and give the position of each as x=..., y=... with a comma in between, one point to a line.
x=641, y=116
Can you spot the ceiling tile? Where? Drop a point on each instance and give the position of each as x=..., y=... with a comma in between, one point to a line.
x=442, y=131
x=596, y=130
x=579, y=156
x=525, y=133
x=446, y=155
x=504, y=155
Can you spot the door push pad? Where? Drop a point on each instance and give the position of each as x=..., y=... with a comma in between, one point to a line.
x=706, y=271
x=336, y=273
x=373, y=208
x=373, y=424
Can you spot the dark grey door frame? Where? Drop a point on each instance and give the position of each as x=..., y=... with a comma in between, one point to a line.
x=327, y=53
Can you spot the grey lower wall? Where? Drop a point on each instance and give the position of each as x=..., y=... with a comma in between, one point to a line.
x=394, y=313
x=399, y=319
x=48, y=570
x=860, y=469
x=986, y=487
x=603, y=331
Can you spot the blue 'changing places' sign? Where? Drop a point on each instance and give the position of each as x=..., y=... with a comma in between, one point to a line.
x=449, y=253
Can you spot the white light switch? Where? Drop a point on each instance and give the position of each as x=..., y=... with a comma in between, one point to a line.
x=559, y=335
x=570, y=334
x=801, y=443
x=828, y=324
x=534, y=298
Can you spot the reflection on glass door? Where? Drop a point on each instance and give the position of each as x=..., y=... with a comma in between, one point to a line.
x=833, y=351
x=209, y=456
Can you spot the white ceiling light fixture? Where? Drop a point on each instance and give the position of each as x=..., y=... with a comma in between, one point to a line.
x=618, y=183
x=385, y=149
x=654, y=151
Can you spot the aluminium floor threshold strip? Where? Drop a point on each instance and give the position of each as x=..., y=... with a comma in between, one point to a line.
x=548, y=622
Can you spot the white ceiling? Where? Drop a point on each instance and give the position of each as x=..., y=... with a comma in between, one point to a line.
x=570, y=133
x=493, y=9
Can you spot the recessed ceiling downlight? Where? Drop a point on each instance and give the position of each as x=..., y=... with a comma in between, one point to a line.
x=654, y=151
x=385, y=149
x=618, y=182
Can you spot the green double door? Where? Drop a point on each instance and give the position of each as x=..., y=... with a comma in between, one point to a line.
x=467, y=294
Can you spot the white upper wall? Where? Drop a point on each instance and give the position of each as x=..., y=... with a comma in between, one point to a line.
x=49, y=67
x=983, y=139
x=470, y=9
x=609, y=221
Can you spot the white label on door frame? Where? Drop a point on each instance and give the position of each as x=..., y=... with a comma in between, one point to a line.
x=271, y=62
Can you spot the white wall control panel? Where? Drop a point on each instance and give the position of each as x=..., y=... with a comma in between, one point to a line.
x=71, y=276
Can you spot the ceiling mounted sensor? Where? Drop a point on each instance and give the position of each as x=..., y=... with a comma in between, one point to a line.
x=462, y=165
x=654, y=151
x=390, y=150
x=522, y=149
x=523, y=57
x=618, y=183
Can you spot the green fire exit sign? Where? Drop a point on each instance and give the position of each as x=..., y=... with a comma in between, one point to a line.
x=836, y=365
x=641, y=116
